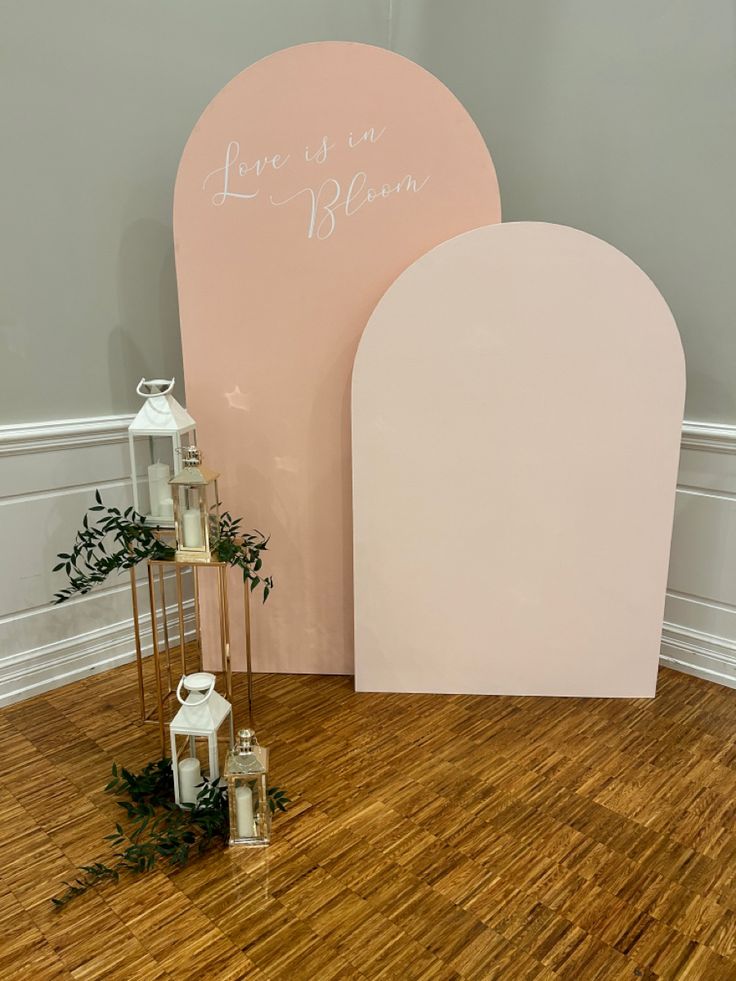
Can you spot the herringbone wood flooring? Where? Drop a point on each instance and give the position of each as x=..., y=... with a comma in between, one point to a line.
x=430, y=837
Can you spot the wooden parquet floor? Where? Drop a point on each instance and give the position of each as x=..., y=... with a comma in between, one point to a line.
x=430, y=837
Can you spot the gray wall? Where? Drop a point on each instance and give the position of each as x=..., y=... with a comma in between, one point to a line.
x=618, y=117
x=615, y=117
x=97, y=98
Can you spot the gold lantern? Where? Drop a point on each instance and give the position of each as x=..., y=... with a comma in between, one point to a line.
x=196, y=508
x=246, y=774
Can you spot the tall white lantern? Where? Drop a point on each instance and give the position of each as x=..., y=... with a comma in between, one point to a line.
x=166, y=427
x=203, y=711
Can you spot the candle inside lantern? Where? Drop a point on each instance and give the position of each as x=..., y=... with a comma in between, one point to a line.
x=192, y=528
x=244, y=811
x=158, y=485
x=167, y=507
x=190, y=775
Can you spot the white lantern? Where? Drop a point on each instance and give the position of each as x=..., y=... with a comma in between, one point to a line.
x=203, y=711
x=162, y=423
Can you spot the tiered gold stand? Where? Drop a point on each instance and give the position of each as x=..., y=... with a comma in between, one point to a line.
x=167, y=678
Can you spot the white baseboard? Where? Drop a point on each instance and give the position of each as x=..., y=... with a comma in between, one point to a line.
x=50, y=471
x=41, y=669
x=703, y=655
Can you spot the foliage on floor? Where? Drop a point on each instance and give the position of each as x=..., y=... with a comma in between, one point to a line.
x=158, y=831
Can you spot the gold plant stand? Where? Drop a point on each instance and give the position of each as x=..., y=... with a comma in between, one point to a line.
x=166, y=679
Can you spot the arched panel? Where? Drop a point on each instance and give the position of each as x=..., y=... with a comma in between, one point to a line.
x=307, y=185
x=517, y=408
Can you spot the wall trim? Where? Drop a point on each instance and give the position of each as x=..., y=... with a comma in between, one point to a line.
x=30, y=437
x=63, y=434
x=41, y=669
x=703, y=655
x=710, y=436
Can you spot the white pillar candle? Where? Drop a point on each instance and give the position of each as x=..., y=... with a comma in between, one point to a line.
x=190, y=775
x=244, y=811
x=158, y=486
x=192, y=528
x=167, y=507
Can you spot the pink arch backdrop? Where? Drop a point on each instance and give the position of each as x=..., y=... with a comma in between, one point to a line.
x=517, y=410
x=308, y=184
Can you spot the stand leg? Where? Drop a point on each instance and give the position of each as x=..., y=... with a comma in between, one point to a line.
x=228, y=667
x=180, y=604
x=249, y=666
x=165, y=618
x=138, y=651
x=197, y=621
x=175, y=767
x=156, y=656
x=225, y=631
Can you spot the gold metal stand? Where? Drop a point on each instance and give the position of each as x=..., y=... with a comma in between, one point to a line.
x=165, y=680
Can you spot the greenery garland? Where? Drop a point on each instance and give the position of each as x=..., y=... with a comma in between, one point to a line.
x=115, y=540
x=160, y=832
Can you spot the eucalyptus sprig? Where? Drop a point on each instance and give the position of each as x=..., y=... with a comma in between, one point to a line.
x=111, y=540
x=242, y=549
x=159, y=832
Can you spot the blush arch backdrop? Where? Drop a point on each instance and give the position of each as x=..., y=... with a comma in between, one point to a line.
x=517, y=409
x=307, y=185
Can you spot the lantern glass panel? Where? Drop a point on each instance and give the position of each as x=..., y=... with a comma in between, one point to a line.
x=246, y=773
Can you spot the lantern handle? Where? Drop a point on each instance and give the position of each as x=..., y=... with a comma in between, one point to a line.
x=189, y=700
x=166, y=384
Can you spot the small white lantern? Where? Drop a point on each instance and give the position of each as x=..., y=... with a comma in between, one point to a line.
x=203, y=711
x=162, y=422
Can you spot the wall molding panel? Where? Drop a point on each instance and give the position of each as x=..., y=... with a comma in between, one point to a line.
x=65, y=434
x=50, y=471
x=703, y=655
x=699, y=635
x=38, y=670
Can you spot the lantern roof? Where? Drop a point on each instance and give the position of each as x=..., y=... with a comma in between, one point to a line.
x=201, y=718
x=194, y=477
x=160, y=414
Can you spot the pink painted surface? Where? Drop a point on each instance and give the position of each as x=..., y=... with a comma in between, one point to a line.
x=517, y=409
x=273, y=299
